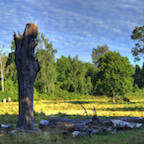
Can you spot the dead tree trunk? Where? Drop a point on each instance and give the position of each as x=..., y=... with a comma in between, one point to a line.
x=27, y=68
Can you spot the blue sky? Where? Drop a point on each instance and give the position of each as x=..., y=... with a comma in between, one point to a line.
x=76, y=26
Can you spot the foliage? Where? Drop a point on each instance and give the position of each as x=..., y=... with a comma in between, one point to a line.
x=60, y=93
x=98, y=52
x=138, y=50
x=77, y=82
x=47, y=75
x=4, y=94
x=139, y=76
x=12, y=46
x=69, y=78
x=3, y=60
x=11, y=90
x=126, y=99
x=11, y=71
x=115, y=75
x=62, y=67
x=92, y=72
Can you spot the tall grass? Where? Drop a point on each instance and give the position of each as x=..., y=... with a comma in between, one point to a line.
x=72, y=110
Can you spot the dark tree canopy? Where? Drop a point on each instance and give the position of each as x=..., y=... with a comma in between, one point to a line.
x=138, y=50
x=139, y=76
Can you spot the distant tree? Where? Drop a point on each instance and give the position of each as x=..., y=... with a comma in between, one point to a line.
x=115, y=75
x=3, y=59
x=142, y=73
x=92, y=72
x=137, y=76
x=46, y=56
x=138, y=50
x=62, y=67
x=11, y=71
x=12, y=46
x=98, y=52
x=77, y=81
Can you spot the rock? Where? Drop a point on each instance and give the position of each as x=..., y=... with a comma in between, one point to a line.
x=3, y=126
x=65, y=132
x=76, y=133
x=43, y=124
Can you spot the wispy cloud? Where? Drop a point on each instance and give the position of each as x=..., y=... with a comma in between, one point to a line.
x=75, y=27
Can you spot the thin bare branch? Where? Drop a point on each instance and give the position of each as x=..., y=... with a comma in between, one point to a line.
x=84, y=109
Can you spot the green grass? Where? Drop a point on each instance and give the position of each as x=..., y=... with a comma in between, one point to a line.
x=133, y=137
x=73, y=110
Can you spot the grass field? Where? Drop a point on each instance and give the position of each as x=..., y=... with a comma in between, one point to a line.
x=73, y=110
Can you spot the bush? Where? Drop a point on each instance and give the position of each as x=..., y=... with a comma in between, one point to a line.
x=126, y=99
x=5, y=94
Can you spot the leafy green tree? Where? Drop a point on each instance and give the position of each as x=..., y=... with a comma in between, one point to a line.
x=136, y=89
x=137, y=76
x=142, y=80
x=138, y=50
x=12, y=46
x=11, y=71
x=92, y=72
x=45, y=55
x=115, y=75
x=77, y=81
x=3, y=59
x=98, y=52
x=62, y=67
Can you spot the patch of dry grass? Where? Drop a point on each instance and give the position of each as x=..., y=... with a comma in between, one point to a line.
x=104, y=108
x=70, y=109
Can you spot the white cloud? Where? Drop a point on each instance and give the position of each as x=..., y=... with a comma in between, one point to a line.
x=75, y=25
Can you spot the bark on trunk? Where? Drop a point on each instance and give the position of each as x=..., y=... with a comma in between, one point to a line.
x=27, y=68
x=113, y=95
x=45, y=89
x=80, y=125
x=6, y=78
x=65, y=124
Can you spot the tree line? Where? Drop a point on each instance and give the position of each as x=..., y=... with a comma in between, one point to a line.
x=109, y=73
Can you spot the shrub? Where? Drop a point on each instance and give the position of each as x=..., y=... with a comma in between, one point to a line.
x=126, y=99
x=5, y=94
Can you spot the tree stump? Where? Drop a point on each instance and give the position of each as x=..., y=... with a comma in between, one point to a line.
x=27, y=68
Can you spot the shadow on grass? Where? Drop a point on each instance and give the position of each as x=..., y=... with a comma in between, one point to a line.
x=123, y=137
x=8, y=119
x=90, y=102
x=140, y=109
x=73, y=102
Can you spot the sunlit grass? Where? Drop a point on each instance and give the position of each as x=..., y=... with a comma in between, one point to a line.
x=73, y=110
x=103, y=107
